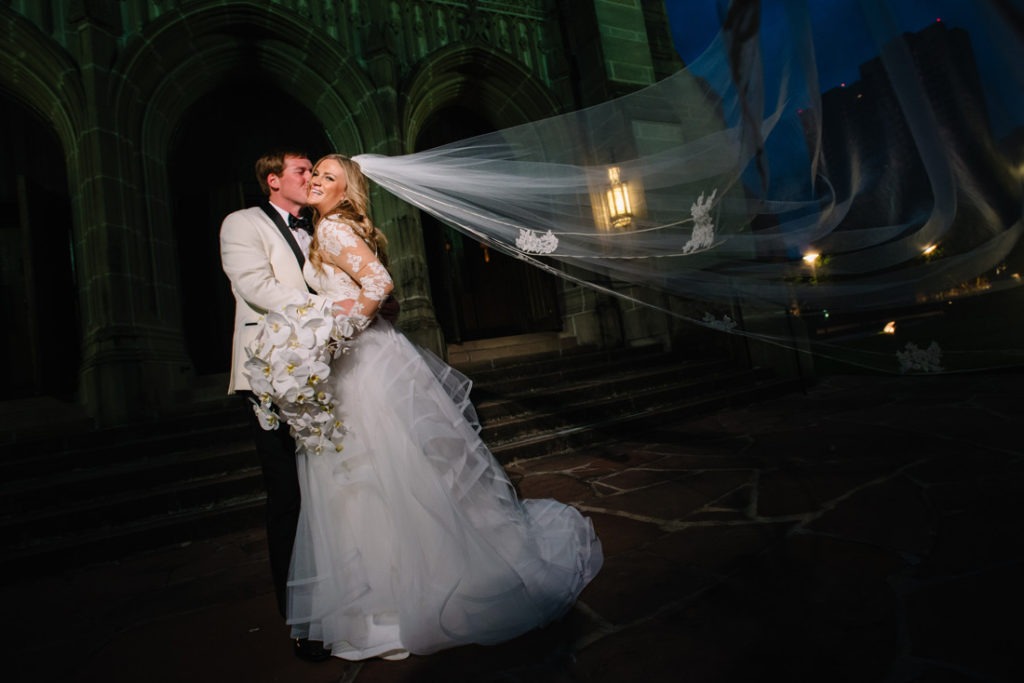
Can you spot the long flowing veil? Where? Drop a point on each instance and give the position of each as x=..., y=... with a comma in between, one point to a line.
x=883, y=214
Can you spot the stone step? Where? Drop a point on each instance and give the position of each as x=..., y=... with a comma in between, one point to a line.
x=606, y=407
x=487, y=371
x=105, y=493
x=128, y=506
x=500, y=349
x=574, y=368
x=609, y=428
x=204, y=426
x=66, y=488
x=52, y=554
x=571, y=389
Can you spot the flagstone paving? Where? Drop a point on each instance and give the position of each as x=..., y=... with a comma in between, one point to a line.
x=866, y=530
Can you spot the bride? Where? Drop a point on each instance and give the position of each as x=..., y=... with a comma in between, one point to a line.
x=411, y=538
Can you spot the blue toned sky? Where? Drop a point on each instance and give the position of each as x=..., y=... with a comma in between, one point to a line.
x=843, y=41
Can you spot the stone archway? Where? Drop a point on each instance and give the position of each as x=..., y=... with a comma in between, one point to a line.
x=210, y=172
x=39, y=305
x=478, y=292
x=205, y=109
x=40, y=110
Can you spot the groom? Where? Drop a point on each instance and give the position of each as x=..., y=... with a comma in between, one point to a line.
x=262, y=251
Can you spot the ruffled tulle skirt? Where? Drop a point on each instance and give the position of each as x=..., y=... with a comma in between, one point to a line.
x=412, y=537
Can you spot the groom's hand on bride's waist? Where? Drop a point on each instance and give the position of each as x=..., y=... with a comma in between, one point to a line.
x=389, y=309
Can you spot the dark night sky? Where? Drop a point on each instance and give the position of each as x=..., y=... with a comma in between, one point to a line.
x=849, y=42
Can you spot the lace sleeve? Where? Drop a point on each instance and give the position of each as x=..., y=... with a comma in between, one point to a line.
x=342, y=248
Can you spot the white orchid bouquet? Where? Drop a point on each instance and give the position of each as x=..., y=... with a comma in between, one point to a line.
x=288, y=369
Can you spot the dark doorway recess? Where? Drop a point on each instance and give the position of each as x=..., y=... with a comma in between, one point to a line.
x=210, y=169
x=479, y=292
x=39, y=307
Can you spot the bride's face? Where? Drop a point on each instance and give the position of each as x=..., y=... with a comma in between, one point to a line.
x=327, y=187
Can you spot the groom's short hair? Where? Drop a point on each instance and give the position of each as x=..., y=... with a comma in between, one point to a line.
x=273, y=162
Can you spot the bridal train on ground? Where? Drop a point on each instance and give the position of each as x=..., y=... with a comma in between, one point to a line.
x=412, y=537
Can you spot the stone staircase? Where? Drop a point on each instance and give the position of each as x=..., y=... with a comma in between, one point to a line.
x=89, y=496
x=548, y=405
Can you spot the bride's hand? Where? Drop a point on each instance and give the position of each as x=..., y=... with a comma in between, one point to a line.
x=343, y=307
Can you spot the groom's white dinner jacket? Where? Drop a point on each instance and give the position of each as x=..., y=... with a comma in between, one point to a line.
x=265, y=269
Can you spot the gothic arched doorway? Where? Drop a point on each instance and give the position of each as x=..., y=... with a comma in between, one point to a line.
x=479, y=292
x=39, y=306
x=210, y=168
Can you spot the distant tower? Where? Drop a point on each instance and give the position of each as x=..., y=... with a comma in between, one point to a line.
x=881, y=137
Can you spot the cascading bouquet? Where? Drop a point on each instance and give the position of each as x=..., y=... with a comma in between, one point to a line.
x=288, y=368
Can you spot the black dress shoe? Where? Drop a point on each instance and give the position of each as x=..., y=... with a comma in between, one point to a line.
x=311, y=650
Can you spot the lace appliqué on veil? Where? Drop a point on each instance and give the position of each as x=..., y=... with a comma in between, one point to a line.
x=914, y=359
x=531, y=243
x=725, y=324
x=703, y=235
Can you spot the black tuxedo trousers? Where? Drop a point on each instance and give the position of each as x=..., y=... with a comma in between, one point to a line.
x=276, y=451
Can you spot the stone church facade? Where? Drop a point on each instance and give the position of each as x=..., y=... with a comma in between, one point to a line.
x=128, y=129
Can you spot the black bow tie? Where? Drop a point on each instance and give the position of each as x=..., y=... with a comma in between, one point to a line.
x=300, y=223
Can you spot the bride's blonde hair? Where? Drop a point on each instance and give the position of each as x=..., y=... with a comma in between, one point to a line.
x=353, y=209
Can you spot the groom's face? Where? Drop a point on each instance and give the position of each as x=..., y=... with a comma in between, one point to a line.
x=291, y=184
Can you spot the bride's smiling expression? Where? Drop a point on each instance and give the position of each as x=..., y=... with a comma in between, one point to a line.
x=327, y=186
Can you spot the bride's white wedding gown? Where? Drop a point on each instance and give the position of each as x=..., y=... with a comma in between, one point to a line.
x=412, y=538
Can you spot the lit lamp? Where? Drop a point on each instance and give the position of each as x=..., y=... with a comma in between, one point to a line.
x=620, y=209
x=812, y=258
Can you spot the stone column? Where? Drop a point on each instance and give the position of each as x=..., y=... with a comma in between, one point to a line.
x=399, y=221
x=133, y=358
